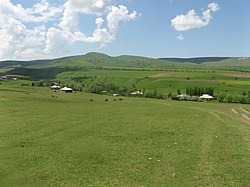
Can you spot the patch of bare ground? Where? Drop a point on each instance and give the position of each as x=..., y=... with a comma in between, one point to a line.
x=234, y=111
x=212, y=81
x=160, y=75
x=242, y=109
x=244, y=114
x=242, y=75
x=245, y=117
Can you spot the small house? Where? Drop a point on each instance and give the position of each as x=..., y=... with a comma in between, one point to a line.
x=55, y=87
x=136, y=93
x=66, y=90
x=206, y=97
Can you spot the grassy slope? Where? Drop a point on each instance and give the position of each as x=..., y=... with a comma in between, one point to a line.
x=224, y=62
x=70, y=141
x=168, y=84
x=178, y=80
x=95, y=59
x=230, y=62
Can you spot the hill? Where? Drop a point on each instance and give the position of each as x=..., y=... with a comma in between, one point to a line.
x=13, y=63
x=197, y=60
x=213, y=61
x=51, y=68
x=94, y=60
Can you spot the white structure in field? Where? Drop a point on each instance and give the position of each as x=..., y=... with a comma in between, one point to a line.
x=136, y=93
x=206, y=97
x=55, y=87
x=66, y=90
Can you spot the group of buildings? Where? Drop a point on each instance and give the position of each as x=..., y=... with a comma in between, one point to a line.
x=64, y=89
x=8, y=77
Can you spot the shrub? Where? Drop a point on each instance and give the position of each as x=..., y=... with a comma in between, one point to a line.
x=221, y=98
x=229, y=99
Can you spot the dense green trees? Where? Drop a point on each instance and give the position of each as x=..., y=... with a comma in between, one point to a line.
x=197, y=91
x=243, y=99
x=101, y=87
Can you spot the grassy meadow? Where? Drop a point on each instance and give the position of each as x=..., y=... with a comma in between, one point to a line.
x=170, y=82
x=57, y=139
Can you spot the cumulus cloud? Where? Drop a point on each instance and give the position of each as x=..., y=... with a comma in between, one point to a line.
x=72, y=8
x=40, y=12
x=180, y=37
x=118, y=14
x=17, y=38
x=46, y=30
x=191, y=20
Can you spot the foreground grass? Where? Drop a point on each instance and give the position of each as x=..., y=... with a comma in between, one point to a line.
x=70, y=141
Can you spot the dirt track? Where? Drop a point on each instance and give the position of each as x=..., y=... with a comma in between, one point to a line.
x=242, y=75
x=244, y=114
x=161, y=75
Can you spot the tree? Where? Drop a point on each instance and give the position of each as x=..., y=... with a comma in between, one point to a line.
x=188, y=91
x=155, y=93
x=229, y=98
x=179, y=92
x=221, y=98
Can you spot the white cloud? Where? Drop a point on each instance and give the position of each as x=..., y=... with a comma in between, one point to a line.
x=180, y=37
x=16, y=37
x=99, y=21
x=45, y=30
x=118, y=14
x=103, y=45
x=72, y=8
x=57, y=42
x=191, y=20
x=40, y=12
x=213, y=7
x=115, y=15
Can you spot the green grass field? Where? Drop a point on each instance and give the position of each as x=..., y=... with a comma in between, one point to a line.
x=166, y=84
x=130, y=71
x=67, y=140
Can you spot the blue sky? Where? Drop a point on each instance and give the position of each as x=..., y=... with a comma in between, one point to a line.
x=37, y=29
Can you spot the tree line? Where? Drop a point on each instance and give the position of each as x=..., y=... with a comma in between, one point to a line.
x=198, y=91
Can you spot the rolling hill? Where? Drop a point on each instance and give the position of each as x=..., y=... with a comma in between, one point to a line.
x=50, y=68
x=213, y=61
x=92, y=59
x=102, y=60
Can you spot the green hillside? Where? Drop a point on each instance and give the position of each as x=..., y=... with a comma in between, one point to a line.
x=198, y=60
x=96, y=60
x=213, y=61
x=230, y=62
x=104, y=61
x=95, y=71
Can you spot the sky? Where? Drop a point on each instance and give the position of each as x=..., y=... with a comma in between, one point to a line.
x=42, y=29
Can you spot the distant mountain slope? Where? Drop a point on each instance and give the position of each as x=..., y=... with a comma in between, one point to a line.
x=240, y=61
x=197, y=60
x=94, y=60
x=12, y=63
x=102, y=60
x=213, y=61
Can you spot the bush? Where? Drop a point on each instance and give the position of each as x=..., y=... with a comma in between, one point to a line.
x=229, y=99
x=174, y=97
x=221, y=98
x=149, y=95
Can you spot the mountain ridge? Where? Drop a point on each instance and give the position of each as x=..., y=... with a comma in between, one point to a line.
x=101, y=59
